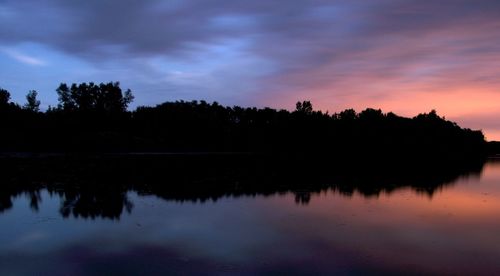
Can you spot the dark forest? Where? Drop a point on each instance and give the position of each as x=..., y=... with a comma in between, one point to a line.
x=95, y=118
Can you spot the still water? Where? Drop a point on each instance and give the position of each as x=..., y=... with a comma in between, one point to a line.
x=453, y=230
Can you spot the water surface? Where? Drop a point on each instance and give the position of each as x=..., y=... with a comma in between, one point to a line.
x=453, y=228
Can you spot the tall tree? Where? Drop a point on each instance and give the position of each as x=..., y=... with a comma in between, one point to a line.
x=65, y=99
x=32, y=103
x=4, y=97
x=107, y=97
x=304, y=107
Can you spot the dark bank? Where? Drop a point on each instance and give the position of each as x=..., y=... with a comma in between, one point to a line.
x=94, y=118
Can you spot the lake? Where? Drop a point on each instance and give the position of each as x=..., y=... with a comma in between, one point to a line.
x=451, y=225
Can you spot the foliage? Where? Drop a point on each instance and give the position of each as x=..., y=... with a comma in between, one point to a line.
x=32, y=104
x=93, y=117
x=4, y=97
x=107, y=97
x=304, y=107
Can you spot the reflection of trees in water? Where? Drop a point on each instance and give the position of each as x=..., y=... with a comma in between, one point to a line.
x=5, y=201
x=98, y=189
x=90, y=204
x=9, y=191
x=78, y=203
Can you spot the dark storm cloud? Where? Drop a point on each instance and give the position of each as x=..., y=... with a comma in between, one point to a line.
x=135, y=27
x=299, y=34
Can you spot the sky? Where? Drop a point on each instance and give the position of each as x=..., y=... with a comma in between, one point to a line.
x=405, y=56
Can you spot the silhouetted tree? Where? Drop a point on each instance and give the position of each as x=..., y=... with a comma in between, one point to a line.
x=107, y=97
x=304, y=107
x=66, y=101
x=348, y=115
x=6, y=104
x=371, y=115
x=94, y=117
x=32, y=103
x=110, y=97
x=4, y=97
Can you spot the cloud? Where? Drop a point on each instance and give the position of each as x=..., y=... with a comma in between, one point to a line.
x=337, y=53
x=298, y=36
x=23, y=58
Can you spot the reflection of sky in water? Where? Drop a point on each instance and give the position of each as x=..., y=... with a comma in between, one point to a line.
x=454, y=231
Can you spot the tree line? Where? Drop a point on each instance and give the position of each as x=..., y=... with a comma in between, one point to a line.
x=95, y=117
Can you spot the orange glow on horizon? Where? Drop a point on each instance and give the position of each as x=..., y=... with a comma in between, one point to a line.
x=473, y=107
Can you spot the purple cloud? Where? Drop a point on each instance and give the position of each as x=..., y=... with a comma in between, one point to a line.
x=336, y=53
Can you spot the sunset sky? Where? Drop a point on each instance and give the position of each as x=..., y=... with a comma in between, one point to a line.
x=406, y=56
